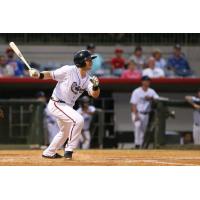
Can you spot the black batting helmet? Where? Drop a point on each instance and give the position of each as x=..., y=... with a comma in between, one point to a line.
x=81, y=56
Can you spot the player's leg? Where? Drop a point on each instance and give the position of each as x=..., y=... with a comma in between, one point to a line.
x=199, y=135
x=195, y=134
x=144, y=123
x=137, y=130
x=75, y=131
x=87, y=140
x=65, y=122
x=52, y=131
x=60, y=137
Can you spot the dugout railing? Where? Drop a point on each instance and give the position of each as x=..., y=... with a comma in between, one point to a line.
x=156, y=130
x=22, y=122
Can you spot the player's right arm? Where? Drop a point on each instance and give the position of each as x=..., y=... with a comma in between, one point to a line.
x=34, y=73
x=134, y=101
x=58, y=74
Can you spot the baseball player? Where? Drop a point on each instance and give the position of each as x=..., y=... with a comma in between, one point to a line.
x=141, y=106
x=87, y=111
x=195, y=102
x=72, y=82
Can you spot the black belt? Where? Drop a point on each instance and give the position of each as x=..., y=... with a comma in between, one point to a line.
x=144, y=113
x=57, y=100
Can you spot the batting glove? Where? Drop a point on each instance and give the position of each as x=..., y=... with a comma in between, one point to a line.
x=95, y=82
x=34, y=73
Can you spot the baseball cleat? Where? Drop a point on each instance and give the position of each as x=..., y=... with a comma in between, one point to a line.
x=68, y=155
x=55, y=156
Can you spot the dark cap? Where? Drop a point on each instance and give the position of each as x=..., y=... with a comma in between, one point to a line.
x=177, y=46
x=90, y=46
x=145, y=78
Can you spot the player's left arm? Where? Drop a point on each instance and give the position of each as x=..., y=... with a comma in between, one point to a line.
x=94, y=89
x=191, y=100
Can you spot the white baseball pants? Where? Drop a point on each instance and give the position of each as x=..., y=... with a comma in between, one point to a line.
x=140, y=127
x=70, y=123
x=196, y=134
x=85, y=139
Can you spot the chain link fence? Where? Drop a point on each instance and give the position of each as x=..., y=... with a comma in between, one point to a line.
x=101, y=38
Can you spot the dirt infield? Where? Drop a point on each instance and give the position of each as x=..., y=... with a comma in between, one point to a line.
x=104, y=158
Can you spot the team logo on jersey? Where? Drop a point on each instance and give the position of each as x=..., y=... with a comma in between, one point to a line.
x=76, y=89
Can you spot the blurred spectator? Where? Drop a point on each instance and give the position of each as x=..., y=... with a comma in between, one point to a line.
x=97, y=63
x=87, y=111
x=50, y=123
x=118, y=62
x=159, y=61
x=18, y=67
x=132, y=72
x=138, y=58
x=152, y=71
x=5, y=69
x=2, y=65
x=178, y=64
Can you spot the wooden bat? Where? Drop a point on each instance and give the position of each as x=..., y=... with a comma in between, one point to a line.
x=19, y=54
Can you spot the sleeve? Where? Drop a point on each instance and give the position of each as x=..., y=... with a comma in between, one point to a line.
x=61, y=73
x=195, y=100
x=79, y=110
x=134, y=98
x=155, y=95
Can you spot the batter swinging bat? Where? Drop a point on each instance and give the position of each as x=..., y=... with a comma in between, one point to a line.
x=19, y=54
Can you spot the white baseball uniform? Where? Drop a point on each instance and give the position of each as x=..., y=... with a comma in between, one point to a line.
x=68, y=89
x=143, y=107
x=196, y=122
x=85, y=138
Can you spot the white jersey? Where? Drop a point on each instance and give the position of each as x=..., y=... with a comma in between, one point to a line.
x=153, y=73
x=70, y=84
x=87, y=117
x=138, y=98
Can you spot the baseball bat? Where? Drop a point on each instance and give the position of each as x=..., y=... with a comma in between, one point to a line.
x=19, y=54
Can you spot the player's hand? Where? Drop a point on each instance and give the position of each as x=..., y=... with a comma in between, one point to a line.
x=95, y=81
x=137, y=118
x=197, y=107
x=34, y=73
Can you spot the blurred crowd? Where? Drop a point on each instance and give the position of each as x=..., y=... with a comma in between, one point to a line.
x=119, y=65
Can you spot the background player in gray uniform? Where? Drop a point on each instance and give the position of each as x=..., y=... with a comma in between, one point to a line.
x=195, y=102
x=72, y=82
x=140, y=108
x=87, y=111
x=50, y=123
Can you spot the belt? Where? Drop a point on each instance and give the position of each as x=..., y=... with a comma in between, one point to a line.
x=144, y=113
x=57, y=100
